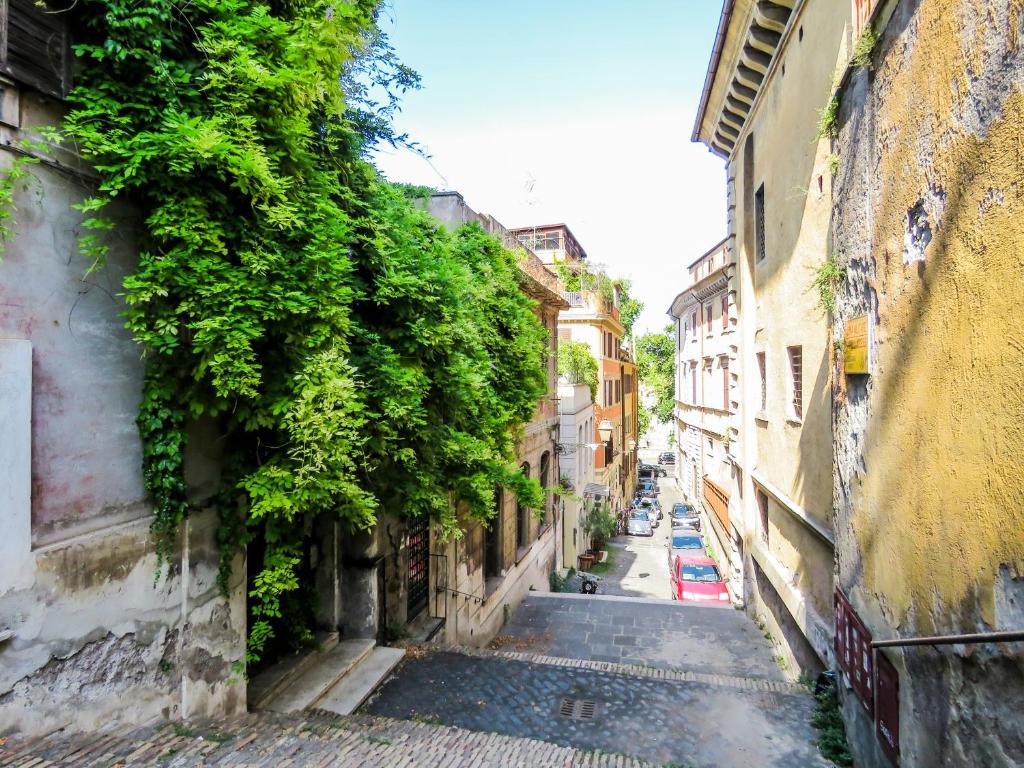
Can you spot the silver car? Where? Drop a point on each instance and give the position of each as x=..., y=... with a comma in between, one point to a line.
x=639, y=524
x=684, y=543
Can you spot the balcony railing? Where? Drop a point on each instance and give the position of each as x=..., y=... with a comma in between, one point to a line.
x=575, y=298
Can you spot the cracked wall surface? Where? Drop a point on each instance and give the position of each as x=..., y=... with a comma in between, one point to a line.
x=928, y=205
x=96, y=635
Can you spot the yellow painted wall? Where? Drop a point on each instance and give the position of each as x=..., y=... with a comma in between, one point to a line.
x=941, y=503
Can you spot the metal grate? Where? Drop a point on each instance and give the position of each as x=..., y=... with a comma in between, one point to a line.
x=577, y=709
x=419, y=567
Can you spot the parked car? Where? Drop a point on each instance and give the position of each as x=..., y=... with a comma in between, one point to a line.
x=666, y=457
x=651, y=470
x=684, y=543
x=698, y=579
x=639, y=524
x=651, y=505
x=685, y=513
x=648, y=487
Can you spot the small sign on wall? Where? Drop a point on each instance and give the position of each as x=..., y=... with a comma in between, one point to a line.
x=857, y=345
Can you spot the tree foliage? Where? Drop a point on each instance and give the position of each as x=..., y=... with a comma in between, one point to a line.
x=352, y=354
x=578, y=365
x=655, y=366
x=576, y=276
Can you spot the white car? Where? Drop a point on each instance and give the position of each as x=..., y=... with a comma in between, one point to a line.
x=639, y=524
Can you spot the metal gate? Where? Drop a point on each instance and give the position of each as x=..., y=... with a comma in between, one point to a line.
x=419, y=568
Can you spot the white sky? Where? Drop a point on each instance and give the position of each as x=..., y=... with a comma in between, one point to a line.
x=605, y=153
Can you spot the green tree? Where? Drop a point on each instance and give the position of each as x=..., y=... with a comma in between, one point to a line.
x=578, y=365
x=353, y=354
x=655, y=365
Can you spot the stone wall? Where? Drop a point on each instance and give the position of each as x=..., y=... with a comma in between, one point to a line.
x=97, y=632
x=928, y=205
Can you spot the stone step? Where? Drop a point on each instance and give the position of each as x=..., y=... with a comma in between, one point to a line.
x=320, y=676
x=634, y=670
x=270, y=740
x=269, y=683
x=354, y=688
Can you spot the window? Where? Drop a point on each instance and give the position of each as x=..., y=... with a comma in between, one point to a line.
x=725, y=312
x=693, y=379
x=762, y=508
x=627, y=383
x=725, y=383
x=759, y=224
x=618, y=391
x=764, y=381
x=607, y=393
x=35, y=47
x=693, y=322
x=707, y=318
x=796, y=365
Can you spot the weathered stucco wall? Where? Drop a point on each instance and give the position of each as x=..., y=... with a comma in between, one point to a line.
x=928, y=213
x=96, y=637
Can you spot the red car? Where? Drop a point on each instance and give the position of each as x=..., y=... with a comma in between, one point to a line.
x=697, y=579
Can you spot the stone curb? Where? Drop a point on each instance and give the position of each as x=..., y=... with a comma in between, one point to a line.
x=634, y=670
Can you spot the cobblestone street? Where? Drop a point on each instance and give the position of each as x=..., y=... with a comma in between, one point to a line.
x=660, y=720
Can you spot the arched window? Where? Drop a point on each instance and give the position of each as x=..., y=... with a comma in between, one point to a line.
x=522, y=515
x=545, y=481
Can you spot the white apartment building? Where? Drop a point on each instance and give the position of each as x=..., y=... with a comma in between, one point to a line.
x=706, y=414
x=576, y=448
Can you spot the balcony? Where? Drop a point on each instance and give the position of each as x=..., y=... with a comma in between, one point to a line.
x=709, y=264
x=593, y=301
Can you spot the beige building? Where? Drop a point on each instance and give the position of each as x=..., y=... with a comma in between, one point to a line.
x=769, y=76
x=474, y=581
x=706, y=416
x=593, y=318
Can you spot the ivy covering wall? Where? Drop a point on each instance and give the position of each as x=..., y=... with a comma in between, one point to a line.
x=354, y=356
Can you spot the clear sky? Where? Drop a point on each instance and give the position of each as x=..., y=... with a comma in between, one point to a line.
x=575, y=111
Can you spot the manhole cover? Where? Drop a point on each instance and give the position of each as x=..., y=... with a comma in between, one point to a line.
x=577, y=709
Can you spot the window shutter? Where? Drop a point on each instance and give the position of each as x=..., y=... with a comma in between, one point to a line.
x=34, y=46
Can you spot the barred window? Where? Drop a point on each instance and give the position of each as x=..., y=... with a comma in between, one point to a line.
x=796, y=365
x=759, y=223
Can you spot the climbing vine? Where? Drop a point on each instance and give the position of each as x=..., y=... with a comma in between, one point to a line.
x=351, y=355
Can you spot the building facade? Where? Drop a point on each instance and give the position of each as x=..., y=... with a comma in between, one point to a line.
x=478, y=578
x=593, y=318
x=576, y=447
x=927, y=235
x=768, y=79
x=91, y=630
x=706, y=417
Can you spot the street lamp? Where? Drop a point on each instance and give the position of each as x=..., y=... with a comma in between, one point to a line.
x=604, y=429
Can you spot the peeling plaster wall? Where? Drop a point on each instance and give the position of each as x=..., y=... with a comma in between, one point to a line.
x=97, y=637
x=928, y=212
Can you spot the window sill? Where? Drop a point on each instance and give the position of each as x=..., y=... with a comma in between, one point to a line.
x=794, y=421
x=761, y=416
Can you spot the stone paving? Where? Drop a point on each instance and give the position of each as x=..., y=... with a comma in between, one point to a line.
x=658, y=633
x=283, y=741
x=660, y=720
